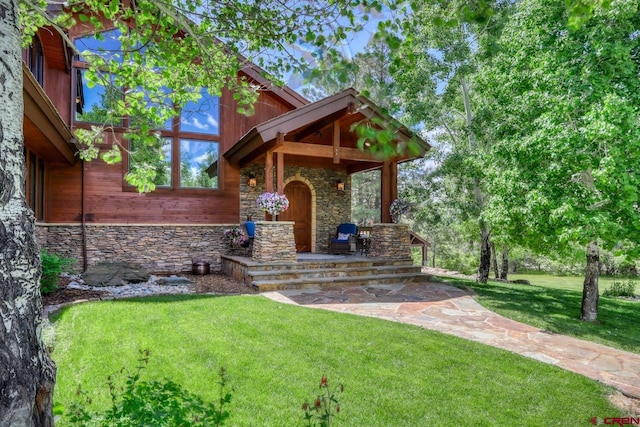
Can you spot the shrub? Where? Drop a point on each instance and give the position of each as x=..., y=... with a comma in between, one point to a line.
x=152, y=403
x=52, y=266
x=620, y=289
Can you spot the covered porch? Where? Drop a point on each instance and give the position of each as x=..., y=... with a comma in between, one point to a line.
x=310, y=153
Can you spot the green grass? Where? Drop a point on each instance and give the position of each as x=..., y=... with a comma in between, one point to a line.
x=553, y=304
x=275, y=354
x=573, y=283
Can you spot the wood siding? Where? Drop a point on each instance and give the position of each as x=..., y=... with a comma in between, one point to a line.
x=108, y=199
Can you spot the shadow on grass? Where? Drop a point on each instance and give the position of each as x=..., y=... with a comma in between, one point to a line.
x=155, y=299
x=558, y=311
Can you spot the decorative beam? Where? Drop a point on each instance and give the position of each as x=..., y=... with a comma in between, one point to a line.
x=326, y=151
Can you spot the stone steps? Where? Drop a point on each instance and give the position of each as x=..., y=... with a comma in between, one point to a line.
x=322, y=273
x=330, y=272
x=267, y=285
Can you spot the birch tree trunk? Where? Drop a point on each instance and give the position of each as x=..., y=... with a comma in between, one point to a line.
x=590, y=294
x=27, y=374
x=485, y=251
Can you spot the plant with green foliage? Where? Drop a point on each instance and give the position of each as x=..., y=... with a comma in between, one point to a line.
x=325, y=406
x=621, y=288
x=52, y=266
x=152, y=403
x=561, y=109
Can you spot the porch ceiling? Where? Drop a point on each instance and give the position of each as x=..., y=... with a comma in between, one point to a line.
x=320, y=135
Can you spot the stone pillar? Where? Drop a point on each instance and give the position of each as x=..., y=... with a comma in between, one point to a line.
x=274, y=242
x=390, y=241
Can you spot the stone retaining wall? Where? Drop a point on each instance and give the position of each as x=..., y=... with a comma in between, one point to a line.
x=390, y=241
x=274, y=242
x=158, y=248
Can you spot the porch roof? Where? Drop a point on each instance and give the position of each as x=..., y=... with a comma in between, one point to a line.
x=320, y=135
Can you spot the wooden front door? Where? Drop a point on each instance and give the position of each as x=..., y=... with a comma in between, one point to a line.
x=299, y=211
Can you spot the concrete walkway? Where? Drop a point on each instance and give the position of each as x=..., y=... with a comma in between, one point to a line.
x=454, y=311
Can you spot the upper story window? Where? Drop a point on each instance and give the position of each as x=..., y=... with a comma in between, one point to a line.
x=95, y=99
x=189, y=143
x=202, y=116
x=35, y=60
x=105, y=44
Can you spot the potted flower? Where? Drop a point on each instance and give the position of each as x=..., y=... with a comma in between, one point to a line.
x=235, y=238
x=398, y=208
x=272, y=203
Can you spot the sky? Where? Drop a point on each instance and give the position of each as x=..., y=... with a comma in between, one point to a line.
x=350, y=47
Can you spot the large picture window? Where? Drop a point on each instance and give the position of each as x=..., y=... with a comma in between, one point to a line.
x=188, y=145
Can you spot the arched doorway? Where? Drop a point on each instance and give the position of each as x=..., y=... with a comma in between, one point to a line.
x=299, y=211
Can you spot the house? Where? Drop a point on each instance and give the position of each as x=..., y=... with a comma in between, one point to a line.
x=217, y=162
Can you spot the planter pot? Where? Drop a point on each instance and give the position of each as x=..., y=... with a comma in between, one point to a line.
x=200, y=268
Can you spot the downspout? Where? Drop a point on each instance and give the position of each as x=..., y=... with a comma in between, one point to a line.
x=84, y=223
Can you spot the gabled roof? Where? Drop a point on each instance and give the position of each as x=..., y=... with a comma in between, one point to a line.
x=311, y=124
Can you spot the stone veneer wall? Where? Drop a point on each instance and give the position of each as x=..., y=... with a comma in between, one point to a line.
x=158, y=248
x=390, y=241
x=332, y=206
x=274, y=242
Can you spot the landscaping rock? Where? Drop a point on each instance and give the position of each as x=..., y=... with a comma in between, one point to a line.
x=173, y=281
x=115, y=274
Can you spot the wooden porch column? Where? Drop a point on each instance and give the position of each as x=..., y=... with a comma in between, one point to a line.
x=268, y=167
x=336, y=142
x=389, y=189
x=268, y=172
x=280, y=173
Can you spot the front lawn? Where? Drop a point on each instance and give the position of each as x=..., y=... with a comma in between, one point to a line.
x=275, y=355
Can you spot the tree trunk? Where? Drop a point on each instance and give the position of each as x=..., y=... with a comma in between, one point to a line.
x=485, y=256
x=590, y=289
x=505, y=263
x=485, y=251
x=433, y=256
x=27, y=374
x=494, y=260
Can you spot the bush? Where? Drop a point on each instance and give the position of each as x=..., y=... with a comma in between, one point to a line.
x=151, y=403
x=52, y=266
x=621, y=289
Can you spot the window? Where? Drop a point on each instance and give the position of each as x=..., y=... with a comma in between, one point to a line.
x=201, y=116
x=95, y=99
x=196, y=157
x=189, y=143
x=94, y=103
x=105, y=44
x=35, y=60
x=146, y=156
